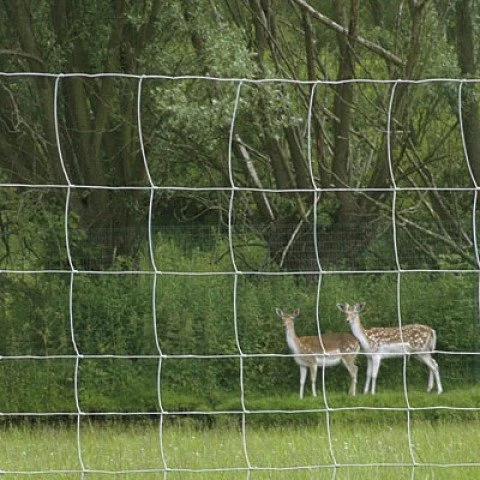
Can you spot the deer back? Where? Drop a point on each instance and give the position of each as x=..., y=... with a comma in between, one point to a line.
x=417, y=336
x=330, y=342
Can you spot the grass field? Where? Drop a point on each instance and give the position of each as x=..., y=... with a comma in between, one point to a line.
x=132, y=450
x=366, y=437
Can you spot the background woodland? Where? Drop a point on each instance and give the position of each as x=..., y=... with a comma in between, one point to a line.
x=429, y=130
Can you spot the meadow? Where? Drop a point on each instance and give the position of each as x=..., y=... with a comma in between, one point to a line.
x=360, y=438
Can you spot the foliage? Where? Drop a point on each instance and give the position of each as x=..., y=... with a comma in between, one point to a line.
x=203, y=325
x=286, y=135
x=180, y=282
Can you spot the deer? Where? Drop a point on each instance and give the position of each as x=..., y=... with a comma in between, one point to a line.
x=327, y=350
x=390, y=342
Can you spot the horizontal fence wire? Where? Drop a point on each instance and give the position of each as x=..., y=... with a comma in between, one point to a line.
x=73, y=271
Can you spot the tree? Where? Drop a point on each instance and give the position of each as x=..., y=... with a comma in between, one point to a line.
x=466, y=53
x=97, y=117
x=186, y=123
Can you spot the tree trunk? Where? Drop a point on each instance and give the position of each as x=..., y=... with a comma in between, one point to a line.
x=466, y=47
x=97, y=121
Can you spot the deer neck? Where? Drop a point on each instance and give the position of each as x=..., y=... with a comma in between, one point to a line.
x=359, y=332
x=292, y=339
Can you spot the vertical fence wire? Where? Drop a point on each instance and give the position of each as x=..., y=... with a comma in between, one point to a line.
x=237, y=275
x=156, y=273
x=78, y=355
x=476, y=317
x=314, y=210
x=399, y=273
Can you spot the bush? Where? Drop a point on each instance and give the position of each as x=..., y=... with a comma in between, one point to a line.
x=209, y=337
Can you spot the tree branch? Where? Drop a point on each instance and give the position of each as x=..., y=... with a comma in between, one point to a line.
x=262, y=199
x=17, y=53
x=389, y=56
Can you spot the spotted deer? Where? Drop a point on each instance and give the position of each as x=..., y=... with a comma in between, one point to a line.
x=389, y=342
x=327, y=350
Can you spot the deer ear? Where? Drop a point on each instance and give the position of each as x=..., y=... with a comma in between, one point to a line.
x=296, y=313
x=342, y=306
x=279, y=312
x=359, y=306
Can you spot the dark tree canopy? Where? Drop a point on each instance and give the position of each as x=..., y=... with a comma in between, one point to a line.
x=186, y=123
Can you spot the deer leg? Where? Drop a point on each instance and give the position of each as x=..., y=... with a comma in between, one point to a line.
x=430, y=380
x=313, y=377
x=354, y=379
x=303, y=377
x=375, y=367
x=369, y=375
x=436, y=372
x=349, y=363
x=432, y=365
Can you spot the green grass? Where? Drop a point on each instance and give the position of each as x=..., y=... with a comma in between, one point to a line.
x=285, y=438
x=109, y=451
x=453, y=405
